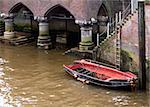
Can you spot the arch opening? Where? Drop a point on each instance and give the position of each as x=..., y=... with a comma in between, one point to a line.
x=63, y=30
x=102, y=17
x=24, y=25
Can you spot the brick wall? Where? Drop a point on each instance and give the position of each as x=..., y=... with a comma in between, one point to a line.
x=80, y=9
x=129, y=37
x=130, y=41
x=147, y=20
x=107, y=52
x=130, y=33
x=40, y=7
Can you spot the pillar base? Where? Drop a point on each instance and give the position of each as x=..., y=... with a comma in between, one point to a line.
x=44, y=42
x=44, y=46
x=9, y=35
x=84, y=46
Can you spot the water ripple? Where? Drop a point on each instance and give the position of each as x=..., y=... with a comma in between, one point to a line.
x=6, y=91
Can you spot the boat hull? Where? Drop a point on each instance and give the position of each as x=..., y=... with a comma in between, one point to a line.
x=91, y=80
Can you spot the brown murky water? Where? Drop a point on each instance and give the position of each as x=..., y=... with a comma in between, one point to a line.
x=35, y=78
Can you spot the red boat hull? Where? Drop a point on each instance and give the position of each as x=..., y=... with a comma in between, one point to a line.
x=89, y=72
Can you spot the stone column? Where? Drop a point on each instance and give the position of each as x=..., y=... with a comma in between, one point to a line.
x=86, y=38
x=44, y=40
x=9, y=28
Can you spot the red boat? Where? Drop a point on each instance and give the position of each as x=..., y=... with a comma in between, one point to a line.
x=89, y=71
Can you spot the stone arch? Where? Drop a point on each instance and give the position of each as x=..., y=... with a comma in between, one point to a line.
x=15, y=8
x=24, y=24
x=102, y=10
x=59, y=19
x=58, y=8
x=103, y=18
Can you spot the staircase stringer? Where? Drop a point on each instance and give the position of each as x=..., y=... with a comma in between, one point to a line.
x=116, y=34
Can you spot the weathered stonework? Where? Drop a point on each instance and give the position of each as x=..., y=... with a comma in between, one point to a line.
x=147, y=20
x=86, y=38
x=44, y=40
x=107, y=51
x=9, y=29
x=129, y=41
x=80, y=9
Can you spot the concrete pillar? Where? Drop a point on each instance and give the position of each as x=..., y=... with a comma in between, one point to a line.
x=44, y=40
x=86, y=38
x=9, y=28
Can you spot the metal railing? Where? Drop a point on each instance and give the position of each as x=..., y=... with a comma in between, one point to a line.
x=126, y=12
x=111, y=26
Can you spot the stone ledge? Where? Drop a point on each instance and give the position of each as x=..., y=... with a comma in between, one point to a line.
x=16, y=41
x=80, y=53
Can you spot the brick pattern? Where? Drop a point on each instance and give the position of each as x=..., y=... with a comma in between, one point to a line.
x=130, y=34
x=39, y=7
x=80, y=9
x=108, y=51
x=129, y=40
x=147, y=20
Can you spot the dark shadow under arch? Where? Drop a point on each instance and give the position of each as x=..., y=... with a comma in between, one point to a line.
x=103, y=18
x=24, y=24
x=63, y=30
x=102, y=11
x=16, y=8
x=59, y=11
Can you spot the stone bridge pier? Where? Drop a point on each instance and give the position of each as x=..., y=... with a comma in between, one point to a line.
x=9, y=28
x=44, y=39
x=54, y=20
x=86, y=35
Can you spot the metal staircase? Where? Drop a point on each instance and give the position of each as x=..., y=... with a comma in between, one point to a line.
x=114, y=32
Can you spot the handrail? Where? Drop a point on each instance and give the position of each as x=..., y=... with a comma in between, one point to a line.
x=103, y=32
x=119, y=18
x=113, y=24
x=126, y=8
x=124, y=14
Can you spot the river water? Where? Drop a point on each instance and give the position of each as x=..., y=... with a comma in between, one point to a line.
x=32, y=77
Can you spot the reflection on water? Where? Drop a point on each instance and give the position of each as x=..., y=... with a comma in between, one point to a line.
x=30, y=77
x=6, y=98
